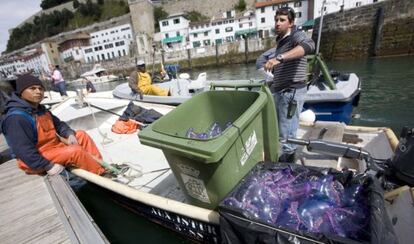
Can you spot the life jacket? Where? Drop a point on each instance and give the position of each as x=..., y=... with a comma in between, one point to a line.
x=43, y=131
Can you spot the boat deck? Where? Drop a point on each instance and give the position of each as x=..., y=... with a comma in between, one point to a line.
x=35, y=209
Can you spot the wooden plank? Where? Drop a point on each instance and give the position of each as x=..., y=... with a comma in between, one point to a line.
x=27, y=212
x=30, y=213
x=334, y=131
x=324, y=130
x=83, y=228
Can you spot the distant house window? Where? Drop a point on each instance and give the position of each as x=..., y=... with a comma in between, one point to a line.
x=103, y=56
x=217, y=31
x=206, y=42
x=206, y=33
x=176, y=21
x=250, y=24
x=195, y=35
x=123, y=51
x=113, y=54
x=166, y=35
x=358, y=4
x=164, y=23
x=177, y=33
x=196, y=44
x=228, y=14
x=262, y=20
x=229, y=29
x=240, y=26
x=119, y=53
x=297, y=4
x=284, y=5
x=107, y=54
x=298, y=14
x=274, y=7
x=262, y=9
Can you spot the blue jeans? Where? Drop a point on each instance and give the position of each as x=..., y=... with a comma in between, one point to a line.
x=60, y=87
x=288, y=127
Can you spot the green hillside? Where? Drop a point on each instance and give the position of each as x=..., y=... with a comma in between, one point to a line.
x=47, y=25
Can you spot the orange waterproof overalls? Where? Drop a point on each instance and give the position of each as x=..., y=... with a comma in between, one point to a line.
x=54, y=150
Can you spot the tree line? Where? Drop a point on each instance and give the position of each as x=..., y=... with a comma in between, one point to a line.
x=47, y=25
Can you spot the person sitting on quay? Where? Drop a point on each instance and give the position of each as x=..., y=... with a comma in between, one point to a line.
x=59, y=84
x=140, y=81
x=39, y=140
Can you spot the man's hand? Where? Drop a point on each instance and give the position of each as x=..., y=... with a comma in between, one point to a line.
x=270, y=64
x=72, y=140
x=56, y=169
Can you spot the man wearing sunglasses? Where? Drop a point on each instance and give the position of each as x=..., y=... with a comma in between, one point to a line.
x=289, y=76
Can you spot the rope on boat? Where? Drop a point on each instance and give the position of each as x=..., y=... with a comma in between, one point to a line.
x=105, y=138
x=126, y=172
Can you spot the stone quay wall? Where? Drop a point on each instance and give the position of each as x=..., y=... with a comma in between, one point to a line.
x=381, y=29
x=228, y=53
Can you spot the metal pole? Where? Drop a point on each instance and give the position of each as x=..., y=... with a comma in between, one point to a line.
x=320, y=28
x=153, y=61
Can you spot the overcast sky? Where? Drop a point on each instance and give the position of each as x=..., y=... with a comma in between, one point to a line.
x=12, y=13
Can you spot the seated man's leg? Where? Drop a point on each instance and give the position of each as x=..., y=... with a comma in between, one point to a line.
x=74, y=155
x=86, y=142
x=158, y=91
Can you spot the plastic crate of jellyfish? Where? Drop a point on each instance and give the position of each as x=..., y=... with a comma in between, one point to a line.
x=284, y=203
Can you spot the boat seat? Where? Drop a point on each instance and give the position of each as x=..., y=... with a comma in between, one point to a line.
x=200, y=83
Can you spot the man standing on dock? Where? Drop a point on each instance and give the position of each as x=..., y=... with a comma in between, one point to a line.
x=289, y=76
x=40, y=141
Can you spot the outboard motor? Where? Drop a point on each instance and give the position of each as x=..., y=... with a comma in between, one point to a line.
x=402, y=164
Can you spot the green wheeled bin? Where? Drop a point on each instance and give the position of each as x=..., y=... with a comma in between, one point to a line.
x=208, y=169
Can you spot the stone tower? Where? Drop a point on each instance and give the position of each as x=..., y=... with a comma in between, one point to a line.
x=142, y=18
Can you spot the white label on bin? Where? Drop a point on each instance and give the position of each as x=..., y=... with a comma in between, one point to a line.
x=195, y=188
x=189, y=170
x=249, y=145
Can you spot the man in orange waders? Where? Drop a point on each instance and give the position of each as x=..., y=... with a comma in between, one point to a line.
x=33, y=134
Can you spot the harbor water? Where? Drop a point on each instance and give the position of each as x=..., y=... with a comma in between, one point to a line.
x=387, y=100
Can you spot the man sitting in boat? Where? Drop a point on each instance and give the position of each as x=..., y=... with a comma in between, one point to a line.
x=143, y=82
x=90, y=88
x=39, y=140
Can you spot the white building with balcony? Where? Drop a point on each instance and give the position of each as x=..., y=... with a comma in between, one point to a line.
x=174, y=31
x=332, y=6
x=223, y=29
x=108, y=44
x=36, y=61
x=71, y=49
x=265, y=13
x=14, y=65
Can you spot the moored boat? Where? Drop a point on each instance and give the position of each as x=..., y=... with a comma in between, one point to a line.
x=97, y=75
x=152, y=190
x=330, y=101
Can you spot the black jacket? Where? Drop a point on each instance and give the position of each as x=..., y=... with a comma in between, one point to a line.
x=21, y=135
